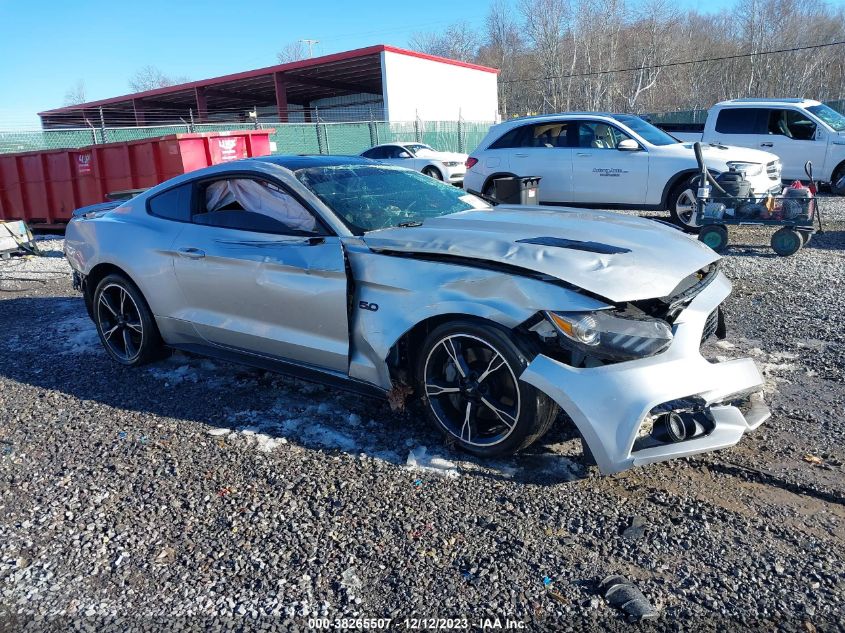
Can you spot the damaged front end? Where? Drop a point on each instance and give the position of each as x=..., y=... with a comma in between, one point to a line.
x=635, y=383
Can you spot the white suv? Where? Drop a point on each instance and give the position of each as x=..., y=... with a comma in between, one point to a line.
x=610, y=161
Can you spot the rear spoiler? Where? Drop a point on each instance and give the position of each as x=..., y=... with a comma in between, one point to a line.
x=114, y=200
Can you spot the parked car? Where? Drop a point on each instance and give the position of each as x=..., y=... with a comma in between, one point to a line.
x=609, y=161
x=375, y=278
x=797, y=130
x=447, y=166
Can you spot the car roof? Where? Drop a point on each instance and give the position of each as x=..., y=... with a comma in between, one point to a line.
x=770, y=100
x=540, y=118
x=304, y=161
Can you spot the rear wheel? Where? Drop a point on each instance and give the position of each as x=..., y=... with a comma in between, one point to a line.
x=786, y=242
x=433, y=172
x=468, y=377
x=124, y=322
x=683, y=204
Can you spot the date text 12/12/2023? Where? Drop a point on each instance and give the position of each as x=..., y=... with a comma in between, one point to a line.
x=416, y=624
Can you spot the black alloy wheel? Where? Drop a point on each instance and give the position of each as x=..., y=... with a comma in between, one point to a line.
x=468, y=377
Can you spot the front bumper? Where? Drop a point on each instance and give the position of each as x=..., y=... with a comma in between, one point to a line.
x=610, y=403
x=455, y=177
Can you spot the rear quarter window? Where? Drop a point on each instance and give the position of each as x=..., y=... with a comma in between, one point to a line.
x=173, y=204
x=740, y=121
x=511, y=138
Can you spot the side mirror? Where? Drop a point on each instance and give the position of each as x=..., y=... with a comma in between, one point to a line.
x=628, y=145
x=404, y=155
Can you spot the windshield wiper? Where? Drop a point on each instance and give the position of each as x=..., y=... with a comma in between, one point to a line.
x=409, y=224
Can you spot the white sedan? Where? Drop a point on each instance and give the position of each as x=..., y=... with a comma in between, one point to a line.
x=447, y=166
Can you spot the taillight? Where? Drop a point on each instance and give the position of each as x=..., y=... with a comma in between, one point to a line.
x=471, y=162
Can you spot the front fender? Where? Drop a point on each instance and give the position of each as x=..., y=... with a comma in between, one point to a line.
x=406, y=291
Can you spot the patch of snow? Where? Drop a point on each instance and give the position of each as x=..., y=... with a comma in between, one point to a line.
x=419, y=459
x=563, y=467
x=725, y=344
x=311, y=432
x=218, y=432
x=175, y=376
x=76, y=335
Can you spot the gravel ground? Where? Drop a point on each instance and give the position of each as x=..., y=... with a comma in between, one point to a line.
x=194, y=493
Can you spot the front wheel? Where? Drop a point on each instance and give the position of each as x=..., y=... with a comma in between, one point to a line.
x=468, y=378
x=837, y=182
x=433, y=172
x=124, y=322
x=683, y=205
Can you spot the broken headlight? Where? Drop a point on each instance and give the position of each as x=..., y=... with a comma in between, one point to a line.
x=607, y=335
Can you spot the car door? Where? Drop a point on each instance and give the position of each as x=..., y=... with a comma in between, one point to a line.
x=791, y=135
x=603, y=174
x=397, y=155
x=742, y=127
x=543, y=150
x=260, y=274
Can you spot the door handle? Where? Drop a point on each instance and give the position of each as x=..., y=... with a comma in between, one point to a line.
x=521, y=155
x=583, y=154
x=766, y=145
x=191, y=253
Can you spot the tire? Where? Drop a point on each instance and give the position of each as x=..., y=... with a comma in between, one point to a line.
x=682, y=203
x=805, y=237
x=838, y=176
x=466, y=368
x=715, y=236
x=786, y=241
x=124, y=322
x=432, y=172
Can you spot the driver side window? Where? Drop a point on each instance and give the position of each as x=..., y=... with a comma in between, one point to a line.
x=248, y=204
x=792, y=124
x=597, y=135
x=396, y=152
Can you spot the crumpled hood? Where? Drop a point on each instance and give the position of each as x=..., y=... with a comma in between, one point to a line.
x=618, y=257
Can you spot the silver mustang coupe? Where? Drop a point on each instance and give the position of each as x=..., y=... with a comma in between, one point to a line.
x=379, y=279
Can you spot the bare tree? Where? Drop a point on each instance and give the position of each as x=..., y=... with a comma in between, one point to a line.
x=648, y=56
x=458, y=41
x=292, y=52
x=545, y=23
x=504, y=49
x=76, y=93
x=150, y=78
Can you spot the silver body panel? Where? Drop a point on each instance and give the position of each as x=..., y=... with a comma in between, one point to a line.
x=657, y=258
x=300, y=300
x=609, y=403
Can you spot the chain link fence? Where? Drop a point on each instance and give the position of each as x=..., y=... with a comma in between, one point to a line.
x=290, y=138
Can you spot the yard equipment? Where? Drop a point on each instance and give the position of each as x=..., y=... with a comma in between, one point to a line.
x=794, y=210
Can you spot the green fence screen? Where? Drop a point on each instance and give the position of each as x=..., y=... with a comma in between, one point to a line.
x=308, y=138
x=290, y=138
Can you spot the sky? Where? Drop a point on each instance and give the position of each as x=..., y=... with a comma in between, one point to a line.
x=48, y=46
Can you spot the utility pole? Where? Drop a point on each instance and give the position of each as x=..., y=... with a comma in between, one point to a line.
x=310, y=46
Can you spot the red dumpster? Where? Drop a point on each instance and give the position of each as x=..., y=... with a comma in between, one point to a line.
x=45, y=187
